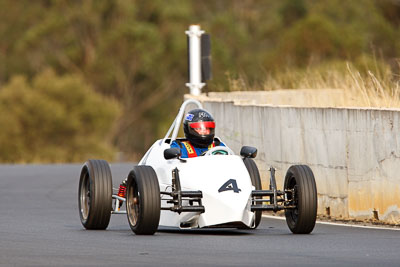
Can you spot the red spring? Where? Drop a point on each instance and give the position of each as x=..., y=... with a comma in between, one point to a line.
x=122, y=190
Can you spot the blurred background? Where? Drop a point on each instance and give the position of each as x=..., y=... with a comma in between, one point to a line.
x=105, y=78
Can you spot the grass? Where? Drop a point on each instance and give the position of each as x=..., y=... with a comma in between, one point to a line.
x=344, y=86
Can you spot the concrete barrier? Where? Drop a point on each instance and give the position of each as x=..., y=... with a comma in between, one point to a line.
x=353, y=152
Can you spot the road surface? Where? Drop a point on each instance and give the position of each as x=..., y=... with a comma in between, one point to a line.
x=39, y=225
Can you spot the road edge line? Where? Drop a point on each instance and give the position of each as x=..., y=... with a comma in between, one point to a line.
x=338, y=224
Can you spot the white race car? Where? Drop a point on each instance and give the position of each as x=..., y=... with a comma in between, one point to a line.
x=216, y=190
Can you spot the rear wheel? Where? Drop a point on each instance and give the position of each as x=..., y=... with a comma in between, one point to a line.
x=300, y=181
x=143, y=202
x=256, y=182
x=95, y=195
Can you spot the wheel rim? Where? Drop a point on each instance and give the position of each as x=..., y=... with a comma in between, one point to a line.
x=85, y=196
x=132, y=202
x=293, y=213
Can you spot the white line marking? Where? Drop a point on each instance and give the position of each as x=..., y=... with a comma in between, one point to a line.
x=338, y=224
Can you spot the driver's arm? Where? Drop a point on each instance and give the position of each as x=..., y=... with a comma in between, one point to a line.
x=218, y=142
x=184, y=153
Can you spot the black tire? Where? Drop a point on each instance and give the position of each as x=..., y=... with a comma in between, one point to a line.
x=95, y=195
x=143, y=202
x=301, y=220
x=256, y=182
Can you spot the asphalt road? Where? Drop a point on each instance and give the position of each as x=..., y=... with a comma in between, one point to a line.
x=39, y=225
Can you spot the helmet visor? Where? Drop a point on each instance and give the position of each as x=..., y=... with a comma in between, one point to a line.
x=203, y=127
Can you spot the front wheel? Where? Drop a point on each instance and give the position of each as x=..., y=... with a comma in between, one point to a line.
x=95, y=195
x=143, y=202
x=302, y=193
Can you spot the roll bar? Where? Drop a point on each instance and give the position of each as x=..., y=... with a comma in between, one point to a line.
x=177, y=122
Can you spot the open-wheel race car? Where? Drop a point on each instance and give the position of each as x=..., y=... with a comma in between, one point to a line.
x=216, y=190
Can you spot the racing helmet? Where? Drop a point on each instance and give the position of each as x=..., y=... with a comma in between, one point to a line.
x=199, y=127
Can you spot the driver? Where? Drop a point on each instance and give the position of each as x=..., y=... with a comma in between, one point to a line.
x=199, y=129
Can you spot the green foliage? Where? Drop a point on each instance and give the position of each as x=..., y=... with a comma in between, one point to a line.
x=313, y=38
x=135, y=51
x=54, y=119
x=291, y=11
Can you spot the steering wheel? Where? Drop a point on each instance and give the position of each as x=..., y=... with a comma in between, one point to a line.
x=218, y=150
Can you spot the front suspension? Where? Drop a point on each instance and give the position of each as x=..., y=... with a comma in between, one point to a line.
x=177, y=196
x=278, y=200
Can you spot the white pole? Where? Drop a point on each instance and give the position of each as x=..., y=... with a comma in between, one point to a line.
x=195, y=83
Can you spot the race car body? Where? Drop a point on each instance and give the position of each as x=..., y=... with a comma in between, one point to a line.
x=223, y=180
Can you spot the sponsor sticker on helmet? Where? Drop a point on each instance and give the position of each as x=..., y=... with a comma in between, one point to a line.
x=203, y=115
x=189, y=117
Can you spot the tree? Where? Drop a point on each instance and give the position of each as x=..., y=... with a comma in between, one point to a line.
x=54, y=119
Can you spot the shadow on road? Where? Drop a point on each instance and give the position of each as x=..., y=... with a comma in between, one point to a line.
x=224, y=232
